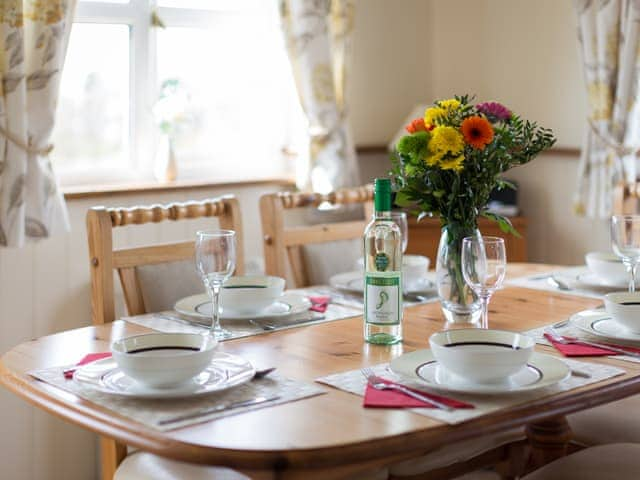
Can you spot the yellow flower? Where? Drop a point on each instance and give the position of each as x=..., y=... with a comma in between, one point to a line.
x=431, y=115
x=446, y=139
x=433, y=159
x=454, y=163
x=450, y=104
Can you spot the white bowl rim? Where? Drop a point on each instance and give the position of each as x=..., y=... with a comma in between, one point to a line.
x=530, y=341
x=269, y=280
x=604, y=256
x=209, y=342
x=617, y=297
x=423, y=259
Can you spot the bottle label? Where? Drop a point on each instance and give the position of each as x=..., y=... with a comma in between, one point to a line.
x=383, y=299
x=381, y=261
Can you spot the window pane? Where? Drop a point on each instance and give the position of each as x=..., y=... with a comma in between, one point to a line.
x=92, y=127
x=243, y=106
x=225, y=5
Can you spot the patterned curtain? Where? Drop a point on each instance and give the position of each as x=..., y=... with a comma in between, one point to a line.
x=608, y=33
x=318, y=36
x=33, y=41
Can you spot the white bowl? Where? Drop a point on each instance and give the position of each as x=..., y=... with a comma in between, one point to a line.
x=608, y=267
x=163, y=360
x=251, y=293
x=624, y=308
x=481, y=356
x=414, y=268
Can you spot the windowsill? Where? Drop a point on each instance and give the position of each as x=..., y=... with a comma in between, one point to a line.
x=128, y=188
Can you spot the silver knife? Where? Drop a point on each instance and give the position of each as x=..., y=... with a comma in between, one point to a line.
x=219, y=408
x=187, y=321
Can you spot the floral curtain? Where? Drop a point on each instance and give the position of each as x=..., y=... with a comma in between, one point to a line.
x=608, y=33
x=33, y=41
x=318, y=36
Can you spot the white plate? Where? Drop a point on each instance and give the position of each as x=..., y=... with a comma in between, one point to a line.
x=541, y=371
x=354, y=282
x=224, y=372
x=200, y=306
x=600, y=323
x=590, y=279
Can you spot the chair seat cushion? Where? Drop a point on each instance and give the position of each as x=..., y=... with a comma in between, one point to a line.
x=619, y=461
x=146, y=466
x=617, y=422
x=460, y=452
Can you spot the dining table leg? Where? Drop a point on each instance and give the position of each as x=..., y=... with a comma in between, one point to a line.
x=549, y=440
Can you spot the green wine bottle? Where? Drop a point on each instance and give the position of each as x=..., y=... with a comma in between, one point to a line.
x=382, y=272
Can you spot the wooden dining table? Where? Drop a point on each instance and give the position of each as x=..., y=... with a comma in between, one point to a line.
x=329, y=435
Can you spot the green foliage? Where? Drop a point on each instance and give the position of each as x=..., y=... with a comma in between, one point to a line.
x=460, y=197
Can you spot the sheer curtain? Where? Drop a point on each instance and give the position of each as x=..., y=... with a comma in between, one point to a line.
x=608, y=33
x=318, y=36
x=33, y=41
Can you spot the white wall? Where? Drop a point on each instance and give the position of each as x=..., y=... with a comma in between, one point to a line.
x=520, y=52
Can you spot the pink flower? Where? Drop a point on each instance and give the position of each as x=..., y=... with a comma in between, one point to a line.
x=494, y=110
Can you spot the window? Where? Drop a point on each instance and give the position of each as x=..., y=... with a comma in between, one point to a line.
x=213, y=75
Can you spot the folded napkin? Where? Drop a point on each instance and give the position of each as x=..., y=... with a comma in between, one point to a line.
x=319, y=303
x=91, y=357
x=393, y=399
x=579, y=350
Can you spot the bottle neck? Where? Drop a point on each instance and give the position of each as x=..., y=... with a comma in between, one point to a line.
x=382, y=215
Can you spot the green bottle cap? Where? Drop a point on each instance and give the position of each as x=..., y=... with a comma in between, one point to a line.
x=382, y=194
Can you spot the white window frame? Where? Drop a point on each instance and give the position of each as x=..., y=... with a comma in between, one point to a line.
x=143, y=88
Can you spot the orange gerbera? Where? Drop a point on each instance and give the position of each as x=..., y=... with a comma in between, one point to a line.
x=416, y=125
x=477, y=132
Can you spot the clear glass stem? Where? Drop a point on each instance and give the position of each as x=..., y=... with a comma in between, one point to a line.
x=484, y=300
x=214, y=293
x=633, y=266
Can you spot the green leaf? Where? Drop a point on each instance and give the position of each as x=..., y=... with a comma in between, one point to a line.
x=403, y=200
x=504, y=223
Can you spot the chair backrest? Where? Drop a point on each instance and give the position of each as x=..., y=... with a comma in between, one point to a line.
x=282, y=243
x=104, y=259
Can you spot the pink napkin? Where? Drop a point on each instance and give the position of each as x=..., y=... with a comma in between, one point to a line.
x=578, y=350
x=319, y=303
x=393, y=399
x=91, y=357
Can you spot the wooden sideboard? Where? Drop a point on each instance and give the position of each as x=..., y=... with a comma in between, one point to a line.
x=424, y=237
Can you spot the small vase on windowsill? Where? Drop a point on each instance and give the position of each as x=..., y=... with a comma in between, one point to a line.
x=165, y=166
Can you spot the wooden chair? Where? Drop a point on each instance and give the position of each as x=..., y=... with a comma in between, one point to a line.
x=104, y=259
x=284, y=244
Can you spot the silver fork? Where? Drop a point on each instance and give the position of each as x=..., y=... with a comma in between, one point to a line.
x=379, y=384
x=572, y=340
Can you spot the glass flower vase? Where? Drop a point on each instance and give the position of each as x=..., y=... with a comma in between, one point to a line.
x=460, y=305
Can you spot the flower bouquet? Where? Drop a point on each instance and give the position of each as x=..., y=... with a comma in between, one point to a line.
x=447, y=165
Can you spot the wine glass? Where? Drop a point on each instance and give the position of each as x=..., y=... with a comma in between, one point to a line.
x=400, y=218
x=484, y=264
x=625, y=240
x=215, y=262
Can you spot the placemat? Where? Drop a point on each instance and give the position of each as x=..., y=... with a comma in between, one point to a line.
x=570, y=276
x=151, y=413
x=172, y=322
x=571, y=331
x=354, y=382
x=356, y=300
